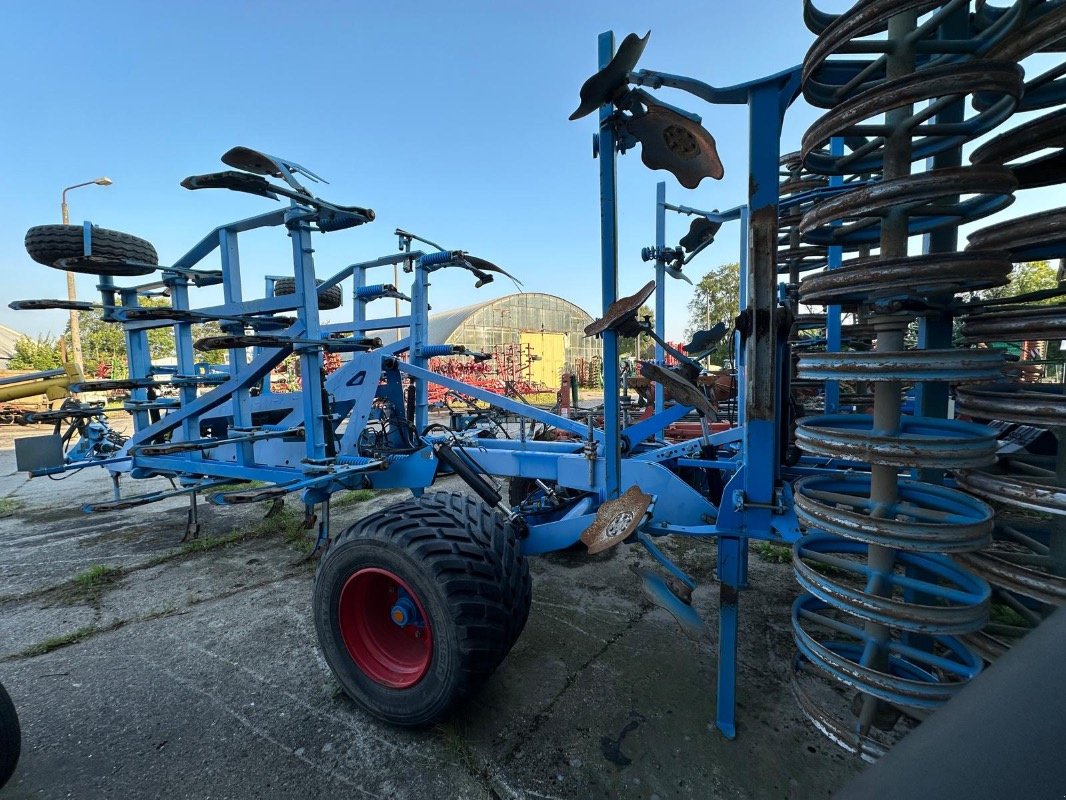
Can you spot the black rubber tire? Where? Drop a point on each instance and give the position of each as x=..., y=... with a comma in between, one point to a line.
x=328, y=299
x=518, y=489
x=10, y=737
x=461, y=558
x=47, y=244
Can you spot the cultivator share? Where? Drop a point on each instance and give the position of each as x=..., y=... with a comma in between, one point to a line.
x=835, y=435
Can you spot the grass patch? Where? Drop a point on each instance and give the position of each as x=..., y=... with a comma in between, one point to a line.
x=772, y=553
x=456, y=746
x=96, y=576
x=158, y=613
x=88, y=586
x=291, y=525
x=201, y=545
x=284, y=523
x=56, y=642
x=9, y=505
x=234, y=486
x=352, y=497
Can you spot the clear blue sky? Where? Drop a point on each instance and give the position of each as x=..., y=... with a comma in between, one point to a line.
x=449, y=119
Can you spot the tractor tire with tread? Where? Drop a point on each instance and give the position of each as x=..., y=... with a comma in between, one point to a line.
x=10, y=737
x=462, y=561
x=48, y=244
x=328, y=299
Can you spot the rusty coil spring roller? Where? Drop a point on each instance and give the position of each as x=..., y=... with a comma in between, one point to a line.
x=905, y=84
x=1026, y=562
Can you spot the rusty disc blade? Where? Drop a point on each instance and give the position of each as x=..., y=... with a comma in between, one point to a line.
x=616, y=520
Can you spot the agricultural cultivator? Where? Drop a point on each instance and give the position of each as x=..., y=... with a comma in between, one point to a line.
x=894, y=541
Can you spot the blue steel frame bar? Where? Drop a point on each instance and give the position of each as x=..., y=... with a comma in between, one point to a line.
x=660, y=284
x=607, y=150
x=752, y=488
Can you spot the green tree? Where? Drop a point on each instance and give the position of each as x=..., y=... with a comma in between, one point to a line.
x=716, y=299
x=1031, y=276
x=202, y=330
x=104, y=342
x=38, y=354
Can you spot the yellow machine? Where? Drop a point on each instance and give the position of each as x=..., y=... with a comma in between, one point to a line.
x=53, y=384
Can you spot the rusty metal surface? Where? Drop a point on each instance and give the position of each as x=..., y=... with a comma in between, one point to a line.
x=920, y=441
x=609, y=82
x=1029, y=138
x=616, y=520
x=933, y=199
x=1017, y=569
x=860, y=280
x=1021, y=491
x=1046, y=228
x=864, y=19
x=852, y=118
x=897, y=682
x=836, y=572
x=831, y=727
x=619, y=310
x=675, y=143
x=1016, y=324
x=684, y=392
x=1042, y=404
x=1040, y=31
x=927, y=518
x=953, y=366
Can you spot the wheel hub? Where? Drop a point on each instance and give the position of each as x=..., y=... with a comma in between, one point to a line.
x=385, y=628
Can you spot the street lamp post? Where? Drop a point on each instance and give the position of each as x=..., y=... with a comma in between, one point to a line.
x=72, y=294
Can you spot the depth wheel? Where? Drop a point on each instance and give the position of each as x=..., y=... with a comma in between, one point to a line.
x=416, y=605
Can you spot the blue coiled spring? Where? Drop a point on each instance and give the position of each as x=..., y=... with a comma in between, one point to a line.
x=436, y=259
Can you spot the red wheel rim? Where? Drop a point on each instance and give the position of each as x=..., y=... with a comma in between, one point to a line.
x=385, y=628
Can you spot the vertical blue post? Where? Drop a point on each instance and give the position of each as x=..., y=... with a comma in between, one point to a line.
x=419, y=337
x=358, y=305
x=139, y=357
x=609, y=274
x=179, y=299
x=107, y=297
x=232, y=294
x=767, y=102
x=314, y=413
x=729, y=570
x=265, y=387
x=739, y=356
x=660, y=287
x=832, y=313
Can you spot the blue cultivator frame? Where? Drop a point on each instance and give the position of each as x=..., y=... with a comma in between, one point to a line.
x=622, y=482
x=367, y=425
